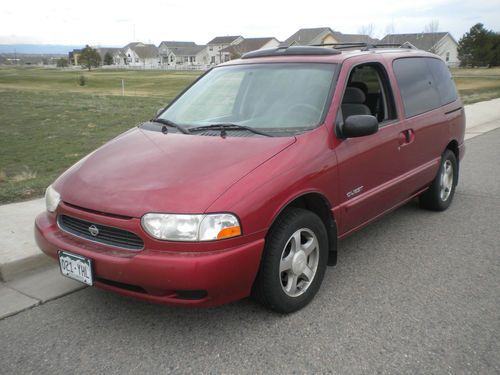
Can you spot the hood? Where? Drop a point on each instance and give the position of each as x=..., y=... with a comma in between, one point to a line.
x=147, y=171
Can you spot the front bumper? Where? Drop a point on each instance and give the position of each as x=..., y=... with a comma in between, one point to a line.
x=192, y=278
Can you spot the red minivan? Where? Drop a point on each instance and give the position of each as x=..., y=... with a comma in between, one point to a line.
x=243, y=184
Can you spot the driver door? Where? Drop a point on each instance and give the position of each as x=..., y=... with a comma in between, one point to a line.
x=370, y=167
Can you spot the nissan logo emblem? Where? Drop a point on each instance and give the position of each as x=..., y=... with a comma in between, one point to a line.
x=94, y=231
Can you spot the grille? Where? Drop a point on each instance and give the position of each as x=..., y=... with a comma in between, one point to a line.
x=107, y=235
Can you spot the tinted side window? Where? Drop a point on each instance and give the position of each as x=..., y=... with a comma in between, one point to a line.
x=415, y=83
x=443, y=81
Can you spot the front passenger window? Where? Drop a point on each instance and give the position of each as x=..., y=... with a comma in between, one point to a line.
x=368, y=93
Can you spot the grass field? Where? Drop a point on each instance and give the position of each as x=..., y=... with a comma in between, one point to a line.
x=48, y=121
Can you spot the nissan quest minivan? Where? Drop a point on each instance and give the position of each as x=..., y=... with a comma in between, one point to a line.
x=244, y=183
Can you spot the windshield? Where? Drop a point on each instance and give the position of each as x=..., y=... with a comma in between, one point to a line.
x=285, y=97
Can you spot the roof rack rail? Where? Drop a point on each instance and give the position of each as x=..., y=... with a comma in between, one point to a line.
x=365, y=46
x=291, y=51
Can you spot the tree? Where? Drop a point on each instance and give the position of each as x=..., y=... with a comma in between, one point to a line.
x=479, y=47
x=432, y=28
x=367, y=30
x=62, y=62
x=89, y=58
x=108, y=59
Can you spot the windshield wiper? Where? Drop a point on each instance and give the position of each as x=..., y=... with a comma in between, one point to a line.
x=181, y=128
x=229, y=126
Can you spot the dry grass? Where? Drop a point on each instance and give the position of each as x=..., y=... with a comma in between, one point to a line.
x=24, y=175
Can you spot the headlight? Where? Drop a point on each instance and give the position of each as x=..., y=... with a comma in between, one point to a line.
x=52, y=199
x=191, y=227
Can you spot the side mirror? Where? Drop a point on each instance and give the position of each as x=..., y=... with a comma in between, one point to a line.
x=359, y=126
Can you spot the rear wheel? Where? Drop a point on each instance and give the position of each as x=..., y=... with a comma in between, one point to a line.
x=440, y=194
x=294, y=261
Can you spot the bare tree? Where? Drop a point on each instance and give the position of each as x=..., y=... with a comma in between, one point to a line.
x=367, y=29
x=432, y=28
x=390, y=29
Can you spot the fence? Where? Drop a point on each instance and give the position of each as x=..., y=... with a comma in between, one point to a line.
x=157, y=67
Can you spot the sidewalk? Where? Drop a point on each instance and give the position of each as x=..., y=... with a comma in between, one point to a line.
x=28, y=277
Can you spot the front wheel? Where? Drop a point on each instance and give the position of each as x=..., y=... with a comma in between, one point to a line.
x=440, y=194
x=294, y=261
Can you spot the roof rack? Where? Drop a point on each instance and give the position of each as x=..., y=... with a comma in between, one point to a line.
x=318, y=49
x=365, y=46
x=291, y=51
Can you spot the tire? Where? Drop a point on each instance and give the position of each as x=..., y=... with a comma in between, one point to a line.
x=289, y=275
x=440, y=194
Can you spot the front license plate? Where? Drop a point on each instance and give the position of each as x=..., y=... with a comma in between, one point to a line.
x=76, y=267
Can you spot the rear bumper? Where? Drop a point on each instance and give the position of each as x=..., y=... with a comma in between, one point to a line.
x=167, y=277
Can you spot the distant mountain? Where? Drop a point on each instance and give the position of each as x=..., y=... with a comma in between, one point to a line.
x=40, y=49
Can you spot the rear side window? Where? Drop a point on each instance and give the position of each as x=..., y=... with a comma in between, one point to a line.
x=425, y=84
x=443, y=81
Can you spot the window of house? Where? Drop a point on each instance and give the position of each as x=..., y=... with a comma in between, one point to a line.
x=447, y=56
x=136, y=59
x=210, y=48
x=171, y=58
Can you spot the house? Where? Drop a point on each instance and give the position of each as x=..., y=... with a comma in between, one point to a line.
x=73, y=56
x=114, y=52
x=140, y=55
x=181, y=53
x=325, y=35
x=250, y=44
x=216, y=45
x=440, y=43
x=304, y=37
x=354, y=38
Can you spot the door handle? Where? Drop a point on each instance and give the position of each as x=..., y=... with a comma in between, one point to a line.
x=406, y=137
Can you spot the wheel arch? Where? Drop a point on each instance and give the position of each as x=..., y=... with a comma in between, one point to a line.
x=320, y=205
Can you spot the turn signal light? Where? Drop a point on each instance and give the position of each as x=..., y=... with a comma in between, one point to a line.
x=229, y=232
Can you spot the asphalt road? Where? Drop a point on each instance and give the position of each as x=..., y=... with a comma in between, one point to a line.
x=415, y=292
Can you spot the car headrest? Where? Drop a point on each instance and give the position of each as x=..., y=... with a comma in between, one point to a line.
x=360, y=85
x=353, y=95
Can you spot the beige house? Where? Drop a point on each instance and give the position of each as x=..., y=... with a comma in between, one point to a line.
x=325, y=35
x=250, y=44
x=442, y=44
x=181, y=53
x=216, y=45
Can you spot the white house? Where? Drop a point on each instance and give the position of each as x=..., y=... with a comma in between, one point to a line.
x=181, y=53
x=115, y=53
x=140, y=55
x=216, y=45
x=250, y=44
x=442, y=44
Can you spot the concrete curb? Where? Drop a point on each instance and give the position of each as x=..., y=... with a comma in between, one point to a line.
x=20, y=256
x=34, y=288
x=10, y=270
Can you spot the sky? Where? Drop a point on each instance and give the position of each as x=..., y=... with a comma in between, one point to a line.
x=112, y=23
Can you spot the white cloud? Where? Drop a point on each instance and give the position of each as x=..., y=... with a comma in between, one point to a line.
x=116, y=23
